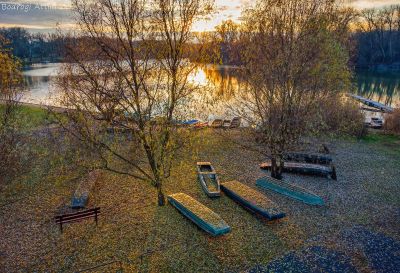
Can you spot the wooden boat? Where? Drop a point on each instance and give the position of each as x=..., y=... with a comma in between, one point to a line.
x=226, y=123
x=190, y=122
x=217, y=123
x=290, y=190
x=80, y=201
x=199, y=214
x=252, y=200
x=200, y=125
x=208, y=179
x=81, y=195
x=235, y=123
x=309, y=158
x=304, y=168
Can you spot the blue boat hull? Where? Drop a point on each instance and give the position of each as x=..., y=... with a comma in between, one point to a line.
x=79, y=202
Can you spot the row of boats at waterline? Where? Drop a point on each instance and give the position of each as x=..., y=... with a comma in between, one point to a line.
x=251, y=199
x=216, y=123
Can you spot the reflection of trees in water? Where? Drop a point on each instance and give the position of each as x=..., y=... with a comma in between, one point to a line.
x=225, y=80
x=382, y=88
x=36, y=81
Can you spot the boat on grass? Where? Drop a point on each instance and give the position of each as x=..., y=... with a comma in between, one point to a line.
x=217, y=123
x=80, y=201
x=309, y=158
x=190, y=122
x=252, y=200
x=226, y=123
x=199, y=214
x=304, y=168
x=80, y=197
x=290, y=190
x=235, y=123
x=208, y=179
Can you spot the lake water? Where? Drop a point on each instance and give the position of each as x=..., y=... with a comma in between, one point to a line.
x=38, y=79
x=384, y=88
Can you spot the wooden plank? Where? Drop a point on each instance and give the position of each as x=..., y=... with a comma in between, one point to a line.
x=80, y=212
x=304, y=168
x=76, y=219
x=66, y=218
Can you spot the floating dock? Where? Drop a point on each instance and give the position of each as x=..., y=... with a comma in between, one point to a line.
x=374, y=104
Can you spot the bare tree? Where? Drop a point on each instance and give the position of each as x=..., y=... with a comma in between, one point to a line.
x=128, y=74
x=294, y=59
x=381, y=30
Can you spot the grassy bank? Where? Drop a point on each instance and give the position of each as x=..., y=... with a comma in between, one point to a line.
x=31, y=117
x=148, y=238
x=386, y=142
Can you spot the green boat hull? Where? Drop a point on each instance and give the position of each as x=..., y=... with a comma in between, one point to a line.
x=199, y=214
x=290, y=190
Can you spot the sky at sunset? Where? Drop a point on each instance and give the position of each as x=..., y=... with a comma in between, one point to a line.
x=43, y=15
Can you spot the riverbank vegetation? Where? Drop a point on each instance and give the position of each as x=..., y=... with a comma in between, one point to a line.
x=146, y=238
x=392, y=122
x=11, y=88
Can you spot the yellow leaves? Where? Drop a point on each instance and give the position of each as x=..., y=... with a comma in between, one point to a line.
x=10, y=74
x=132, y=226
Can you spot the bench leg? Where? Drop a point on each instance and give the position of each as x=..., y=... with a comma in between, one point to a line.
x=61, y=227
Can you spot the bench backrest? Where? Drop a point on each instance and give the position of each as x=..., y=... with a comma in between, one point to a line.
x=76, y=216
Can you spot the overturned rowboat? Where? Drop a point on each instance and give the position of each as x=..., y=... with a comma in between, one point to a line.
x=252, y=200
x=289, y=190
x=80, y=201
x=304, y=168
x=199, y=214
x=80, y=197
x=309, y=158
x=208, y=179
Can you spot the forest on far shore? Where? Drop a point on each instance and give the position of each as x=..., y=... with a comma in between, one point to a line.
x=374, y=42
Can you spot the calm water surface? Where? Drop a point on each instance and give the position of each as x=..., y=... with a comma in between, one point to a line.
x=223, y=80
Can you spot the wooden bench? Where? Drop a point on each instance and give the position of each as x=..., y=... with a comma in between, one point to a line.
x=77, y=216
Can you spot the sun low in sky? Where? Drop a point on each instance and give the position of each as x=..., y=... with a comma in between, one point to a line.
x=45, y=15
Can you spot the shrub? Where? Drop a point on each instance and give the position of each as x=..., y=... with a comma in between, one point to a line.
x=392, y=122
x=11, y=87
x=341, y=116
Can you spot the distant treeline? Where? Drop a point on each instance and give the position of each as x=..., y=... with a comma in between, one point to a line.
x=374, y=41
x=33, y=48
x=378, y=39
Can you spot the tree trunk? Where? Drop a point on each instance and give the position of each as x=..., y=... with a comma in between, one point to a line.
x=276, y=171
x=161, y=197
